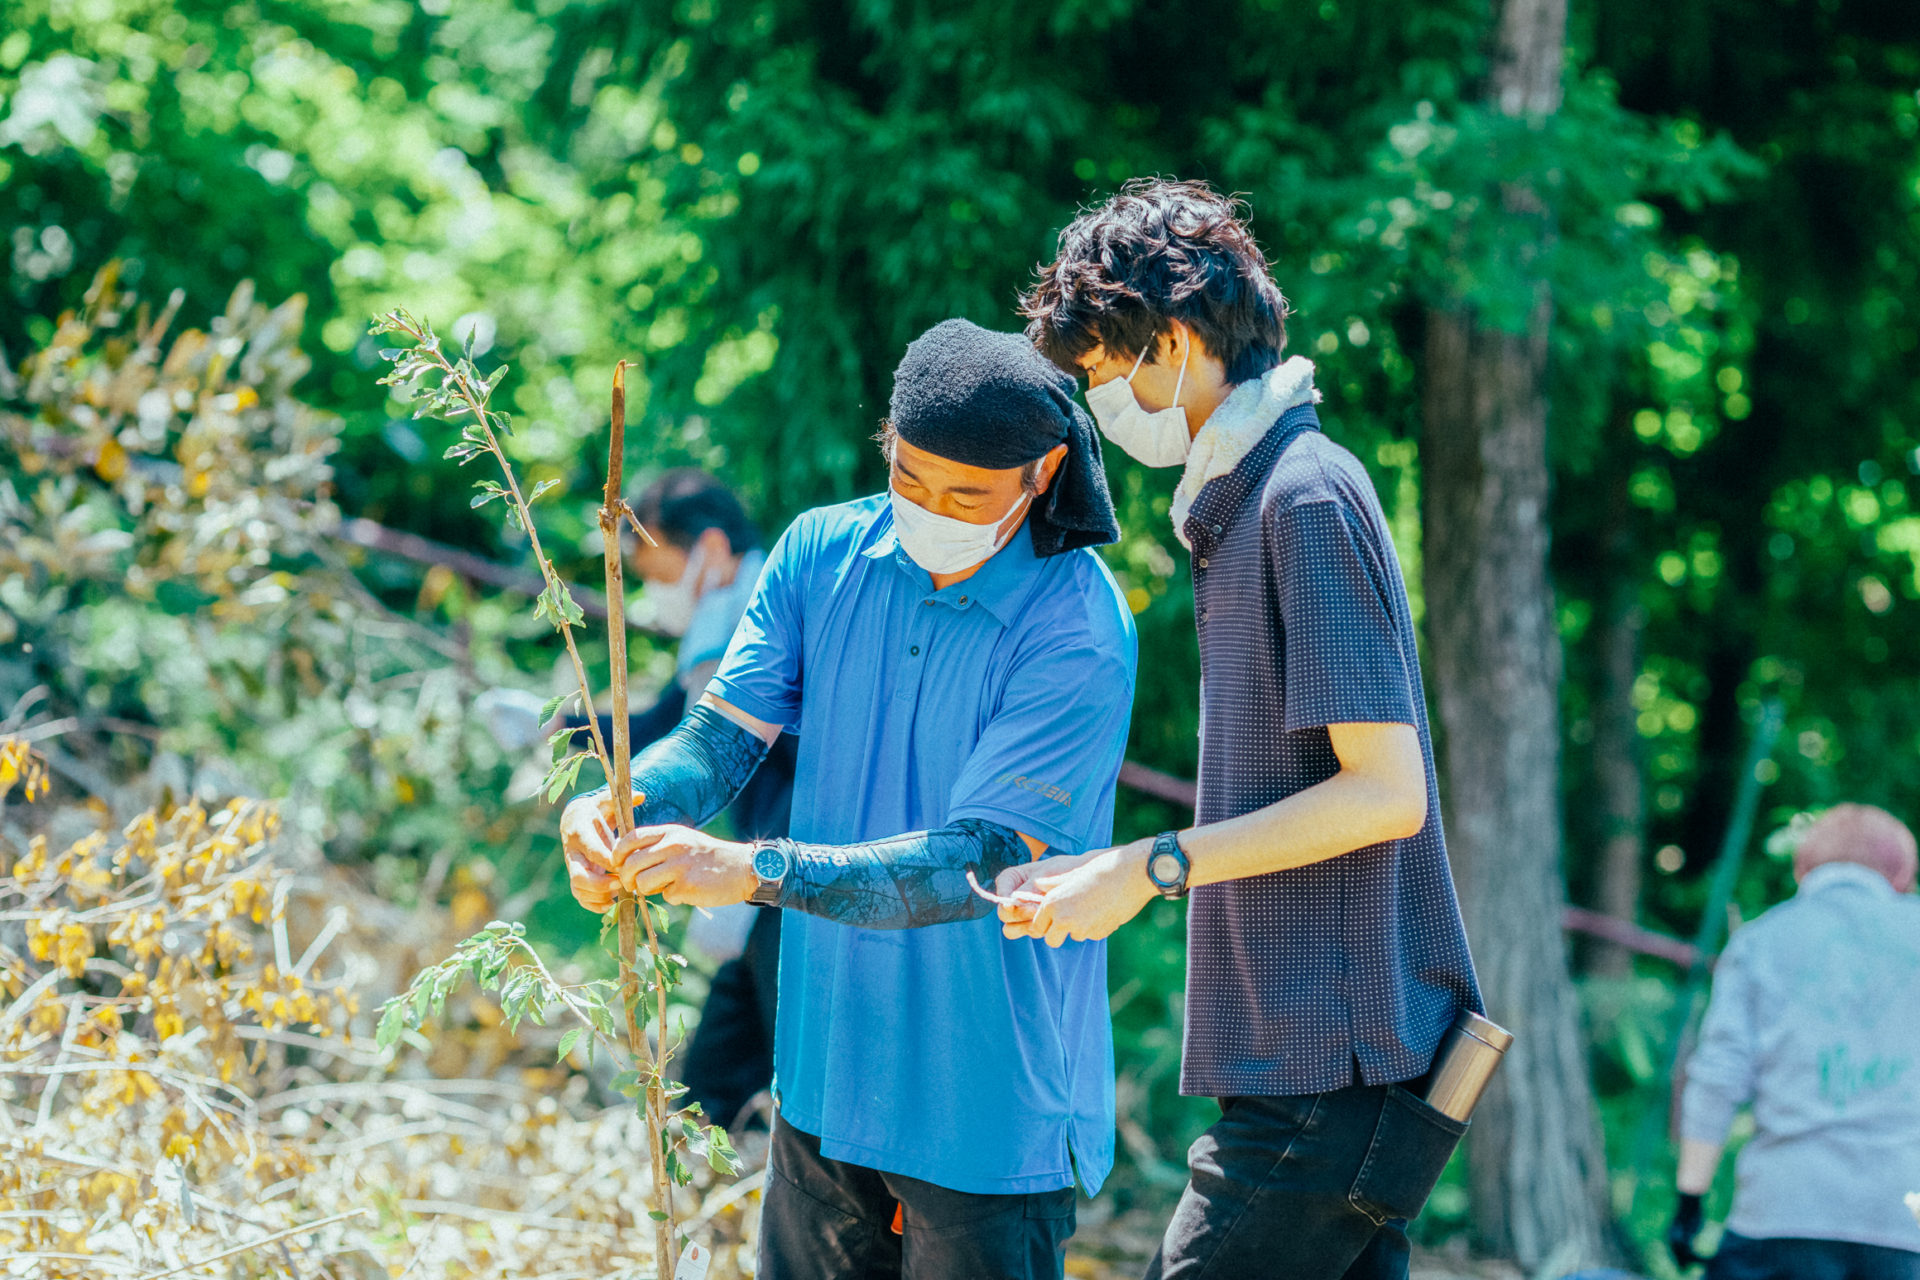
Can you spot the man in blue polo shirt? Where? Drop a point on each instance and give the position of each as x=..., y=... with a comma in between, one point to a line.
x=1325, y=954
x=961, y=687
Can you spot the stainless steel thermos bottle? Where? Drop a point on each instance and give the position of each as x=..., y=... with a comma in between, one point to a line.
x=1468, y=1056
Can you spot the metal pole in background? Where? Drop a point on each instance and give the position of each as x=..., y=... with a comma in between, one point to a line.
x=1726, y=872
x=1713, y=920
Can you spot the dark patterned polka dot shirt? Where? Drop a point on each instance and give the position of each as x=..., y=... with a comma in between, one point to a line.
x=1348, y=970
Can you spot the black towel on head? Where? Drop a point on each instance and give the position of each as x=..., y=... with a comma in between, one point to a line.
x=986, y=399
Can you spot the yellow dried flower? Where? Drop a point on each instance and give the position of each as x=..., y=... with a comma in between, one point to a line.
x=19, y=764
x=74, y=949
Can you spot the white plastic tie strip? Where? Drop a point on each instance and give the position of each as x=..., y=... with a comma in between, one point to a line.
x=1019, y=896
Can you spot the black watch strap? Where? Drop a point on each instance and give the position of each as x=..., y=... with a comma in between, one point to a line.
x=1167, y=865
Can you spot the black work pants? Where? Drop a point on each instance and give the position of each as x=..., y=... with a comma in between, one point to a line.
x=1313, y=1187
x=1788, y=1258
x=823, y=1219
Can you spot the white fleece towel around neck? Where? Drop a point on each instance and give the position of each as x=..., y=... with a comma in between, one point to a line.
x=1241, y=422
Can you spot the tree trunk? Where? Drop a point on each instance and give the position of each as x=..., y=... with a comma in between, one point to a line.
x=1535, y=1158
x=1619, y=782
x=1617, y=771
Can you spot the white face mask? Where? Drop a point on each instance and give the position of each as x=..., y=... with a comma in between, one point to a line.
x=1157, y=439
x=941, y=544
x=673, y=602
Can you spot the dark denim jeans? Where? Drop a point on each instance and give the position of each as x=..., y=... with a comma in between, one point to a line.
x=1314, y=1187
x=824, y=1219
x=1743, y=1258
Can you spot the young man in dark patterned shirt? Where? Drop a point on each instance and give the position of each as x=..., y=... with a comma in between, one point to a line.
x=1326, y=957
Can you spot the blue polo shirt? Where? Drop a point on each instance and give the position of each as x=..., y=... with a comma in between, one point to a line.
x=948, y=1054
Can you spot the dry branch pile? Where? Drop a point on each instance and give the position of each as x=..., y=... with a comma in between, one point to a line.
x=182, y=1091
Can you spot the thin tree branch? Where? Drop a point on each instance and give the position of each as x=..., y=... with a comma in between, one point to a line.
x=303, y=1229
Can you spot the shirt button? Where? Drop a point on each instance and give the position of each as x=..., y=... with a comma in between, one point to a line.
x=1203, y=562
x=1218, y=530
x=963, y=599
x=915, y=651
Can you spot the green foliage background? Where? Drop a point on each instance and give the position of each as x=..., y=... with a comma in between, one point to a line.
x=762, y=201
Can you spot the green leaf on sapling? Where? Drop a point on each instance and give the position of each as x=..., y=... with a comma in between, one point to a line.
x=558, y=606
x=393, y=1020
x=601, y=1016
x=563, y=775
x=721, y=1157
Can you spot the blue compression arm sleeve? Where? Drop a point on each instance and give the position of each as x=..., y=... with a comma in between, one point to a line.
x=902, y=883
x=695, y=771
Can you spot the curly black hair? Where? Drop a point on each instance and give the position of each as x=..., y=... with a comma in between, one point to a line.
x=1157, y=252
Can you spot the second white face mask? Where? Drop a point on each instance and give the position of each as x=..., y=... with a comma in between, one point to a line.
x=673, y=602
x=941, y=544
x=1157, y=439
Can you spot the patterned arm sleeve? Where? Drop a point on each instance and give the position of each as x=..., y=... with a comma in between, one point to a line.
x=695, y=771
x=906, y=882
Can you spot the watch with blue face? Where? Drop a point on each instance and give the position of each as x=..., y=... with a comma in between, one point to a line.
x=770, y=867
x=1167, y=865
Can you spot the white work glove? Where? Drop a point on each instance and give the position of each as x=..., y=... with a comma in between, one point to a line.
x=720, y=933
x=512, y=716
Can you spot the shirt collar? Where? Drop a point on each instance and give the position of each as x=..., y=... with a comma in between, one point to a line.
x=1000, y=585
x=1235, y=428
x=1831, y=875
x=1213, y=508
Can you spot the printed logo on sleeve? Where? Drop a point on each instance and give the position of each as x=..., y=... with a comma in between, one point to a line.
x=1057, y=794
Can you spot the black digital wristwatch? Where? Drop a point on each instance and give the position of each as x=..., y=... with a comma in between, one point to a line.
x=1167, y=865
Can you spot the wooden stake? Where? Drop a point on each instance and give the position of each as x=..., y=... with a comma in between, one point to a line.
x=613, y=506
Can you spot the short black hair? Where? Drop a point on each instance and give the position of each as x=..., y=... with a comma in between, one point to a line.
x=681, y=504
x=1157, y=252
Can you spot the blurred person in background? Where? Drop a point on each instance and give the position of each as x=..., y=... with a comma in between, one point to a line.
x=1814, y=1023
x=696, y=585
x=698, y=582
